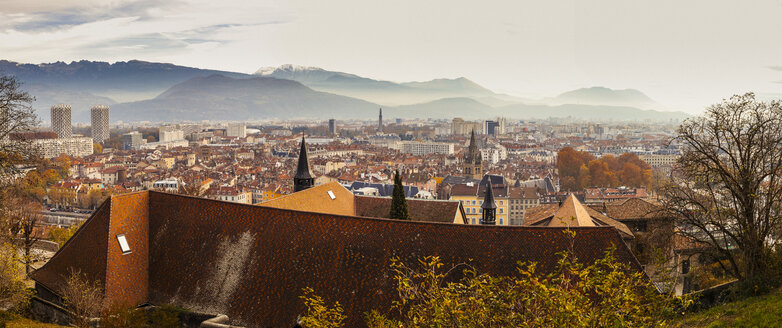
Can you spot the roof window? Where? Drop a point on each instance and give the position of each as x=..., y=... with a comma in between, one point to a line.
x=123, y=244
x=331, y=194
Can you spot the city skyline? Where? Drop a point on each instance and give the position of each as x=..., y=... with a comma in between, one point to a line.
x=685, y=56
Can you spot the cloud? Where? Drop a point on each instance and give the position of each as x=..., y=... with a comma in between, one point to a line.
x=125, y=30
x=38, y=19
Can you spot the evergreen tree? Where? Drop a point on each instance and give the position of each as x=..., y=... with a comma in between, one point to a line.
x=398, y=201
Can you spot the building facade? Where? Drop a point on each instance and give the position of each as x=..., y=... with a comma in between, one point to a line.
x=75, y=146
x=520, y=199
x=131, y=140
x=99, y=119
x=425, y=148
x=61, y=121
x=237, y=130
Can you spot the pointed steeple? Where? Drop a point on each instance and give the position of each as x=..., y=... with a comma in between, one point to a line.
x=517, y=184
x=303, y=178
x=380, y=121
x=473, y=167
x=489, y=208
x=472, y=148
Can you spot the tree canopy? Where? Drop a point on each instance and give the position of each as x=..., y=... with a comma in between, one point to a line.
x=726, y=190
x=579, y=170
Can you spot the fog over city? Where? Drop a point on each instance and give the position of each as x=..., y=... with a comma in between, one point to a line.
x=683, y=55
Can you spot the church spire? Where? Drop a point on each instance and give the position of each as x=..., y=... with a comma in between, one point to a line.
x=473, y=167
x=303, y=178
x=380, y=121
x=489, y=208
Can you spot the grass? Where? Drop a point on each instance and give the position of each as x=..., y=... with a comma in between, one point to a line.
x=761, y=311
x=15, y=321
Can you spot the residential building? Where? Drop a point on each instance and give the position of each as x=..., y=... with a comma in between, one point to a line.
x=519, y=200
x=61, y=120
x=99, y=127
x=77, y=146
x=170, y=133
x=233, y=195
x=131, y=140
x=472, y=196
x=419, y=148
x=237, y=130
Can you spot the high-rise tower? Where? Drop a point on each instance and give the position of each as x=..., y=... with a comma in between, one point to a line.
x=303, y=178
x=380, y=121
x=61, y=121
x=473, y=165
x=332, y=126
x=100, y=123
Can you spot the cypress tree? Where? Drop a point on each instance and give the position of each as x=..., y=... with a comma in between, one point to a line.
x=398, y=201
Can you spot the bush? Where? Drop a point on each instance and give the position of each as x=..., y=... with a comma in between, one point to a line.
x=165, y=316
x=13, y=292
x=604, y=294
x=318, y=314
x=124, y=316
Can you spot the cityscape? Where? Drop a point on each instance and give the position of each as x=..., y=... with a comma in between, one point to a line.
x=142, y=190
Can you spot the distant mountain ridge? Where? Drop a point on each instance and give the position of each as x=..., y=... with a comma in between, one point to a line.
x=99, y=82
x=217, y=97
x=139, y=90
x=606, y=96
x=382, y=92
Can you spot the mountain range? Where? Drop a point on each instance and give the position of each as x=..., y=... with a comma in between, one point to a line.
x=138, y=90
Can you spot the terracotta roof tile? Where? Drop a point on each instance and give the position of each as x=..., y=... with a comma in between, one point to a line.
x=252, y=262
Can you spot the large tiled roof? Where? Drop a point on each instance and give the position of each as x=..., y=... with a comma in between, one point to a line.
x=252, y=262
x=420, y=210
x=556, y=215
x=632, y=209
x=317, y=199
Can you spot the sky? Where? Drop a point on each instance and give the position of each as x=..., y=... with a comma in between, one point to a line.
x=685, y=54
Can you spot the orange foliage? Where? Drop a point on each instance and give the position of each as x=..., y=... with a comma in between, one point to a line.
x=579, y=170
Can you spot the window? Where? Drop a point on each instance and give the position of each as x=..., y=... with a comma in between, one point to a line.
x=123, y=244
x=501, y=211
x=473, y=202
x=500, y=221
x=640, y=226
x=685, y=266
x=331, y=195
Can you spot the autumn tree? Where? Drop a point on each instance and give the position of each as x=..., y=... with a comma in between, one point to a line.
x=579, y=170
x=25, y=216
x=17, y=117
x=83, y=297
x=605, y=293
x=13, y=291
x=726, y=190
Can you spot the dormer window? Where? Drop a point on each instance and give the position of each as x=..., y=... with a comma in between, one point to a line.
x=123, y=244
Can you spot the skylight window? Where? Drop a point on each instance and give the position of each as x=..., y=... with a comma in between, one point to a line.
x=123, y=244
x=331, y=194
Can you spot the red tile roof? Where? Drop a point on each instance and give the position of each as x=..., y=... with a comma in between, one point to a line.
x=252, y=262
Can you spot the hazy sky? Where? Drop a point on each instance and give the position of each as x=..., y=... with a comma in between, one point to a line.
x=684, y=54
